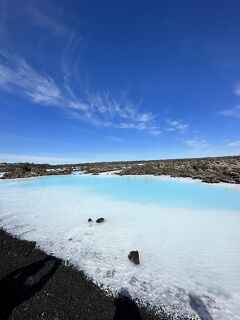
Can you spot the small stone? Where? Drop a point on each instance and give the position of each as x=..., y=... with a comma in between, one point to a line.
x=100, y=220
x=134, y=257
x=89, y=220
x=67, y=263
x=70, y=239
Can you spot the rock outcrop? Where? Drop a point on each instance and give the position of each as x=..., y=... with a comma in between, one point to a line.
x=210, y=170
x=27, y=170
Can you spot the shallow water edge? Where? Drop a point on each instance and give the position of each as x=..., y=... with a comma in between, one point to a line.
x=67, y=294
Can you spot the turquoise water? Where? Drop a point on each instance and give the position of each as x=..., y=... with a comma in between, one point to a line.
x=154, y=190
x=187, y=234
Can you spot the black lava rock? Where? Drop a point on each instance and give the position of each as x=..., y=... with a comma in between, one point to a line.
x=134, y=257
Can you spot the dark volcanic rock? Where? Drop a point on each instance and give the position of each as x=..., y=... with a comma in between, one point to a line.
x=27, y=170
x=100, y=220
x=134, y=257
x=24, y=170
x=89, y=220
x=210, y=170
x=36, y=286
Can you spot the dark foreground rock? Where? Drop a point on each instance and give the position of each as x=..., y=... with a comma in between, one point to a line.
x=100, y=220
x=134, y=257
x=34, y=285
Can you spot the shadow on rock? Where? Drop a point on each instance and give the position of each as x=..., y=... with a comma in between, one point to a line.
x=199, y=307
x=24, y=283
x=126, y=308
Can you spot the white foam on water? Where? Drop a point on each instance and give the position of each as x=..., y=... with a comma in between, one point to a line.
x=186, y=254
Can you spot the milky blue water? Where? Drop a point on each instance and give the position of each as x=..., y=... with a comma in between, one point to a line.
x=187, y=233
x=155, y=190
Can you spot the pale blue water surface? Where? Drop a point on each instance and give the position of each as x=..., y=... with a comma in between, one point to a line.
x=187, y=233
x=144, y=189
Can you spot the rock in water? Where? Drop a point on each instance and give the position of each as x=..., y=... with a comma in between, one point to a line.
x=100, y=220
x=134, y=257
x=89, y=220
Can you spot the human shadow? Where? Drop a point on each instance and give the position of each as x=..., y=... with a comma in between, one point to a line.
x=199, y=307
x=126, y=308
x=24, y=283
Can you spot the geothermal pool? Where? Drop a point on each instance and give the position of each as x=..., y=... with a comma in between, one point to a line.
x=187, y=233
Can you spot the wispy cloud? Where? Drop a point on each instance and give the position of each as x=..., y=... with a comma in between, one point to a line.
x=231, y=112
x=102, y=108
x=235, y=111
x=117, y=111
x=234, y=144
x=16, y=74
x=48, y=22
x=60, y=31
x=39, y=158
x=176, y=125
x=236, y=89
x=71, y=55
x=71, y=41
x=197, y=143
x=66, y=158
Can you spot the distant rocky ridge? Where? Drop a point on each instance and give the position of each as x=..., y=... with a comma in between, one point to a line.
x=210, y=170
x=27, y=170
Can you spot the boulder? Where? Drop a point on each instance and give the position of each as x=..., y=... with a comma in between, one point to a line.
x=134, y=257
x=89, y=220
x=100, y=220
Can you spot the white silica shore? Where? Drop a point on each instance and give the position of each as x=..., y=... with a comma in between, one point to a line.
x=187, y=254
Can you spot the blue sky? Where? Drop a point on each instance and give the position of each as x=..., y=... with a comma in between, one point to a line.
x=118, y=80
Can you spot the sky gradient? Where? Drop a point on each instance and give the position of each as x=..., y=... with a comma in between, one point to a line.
x=118, y=80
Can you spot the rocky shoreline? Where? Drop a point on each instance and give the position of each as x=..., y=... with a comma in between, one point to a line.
x=34, y=285
x=28, y=170
x=209, y=170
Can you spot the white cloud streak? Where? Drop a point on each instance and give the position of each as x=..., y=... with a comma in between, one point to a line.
x=236, y=89
x=50, y=23
x=101, y=109
x=234, y=144
x=176, y=125
x=21, y=76
x=65, y=158
x=197, y=143
x=231, y=112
